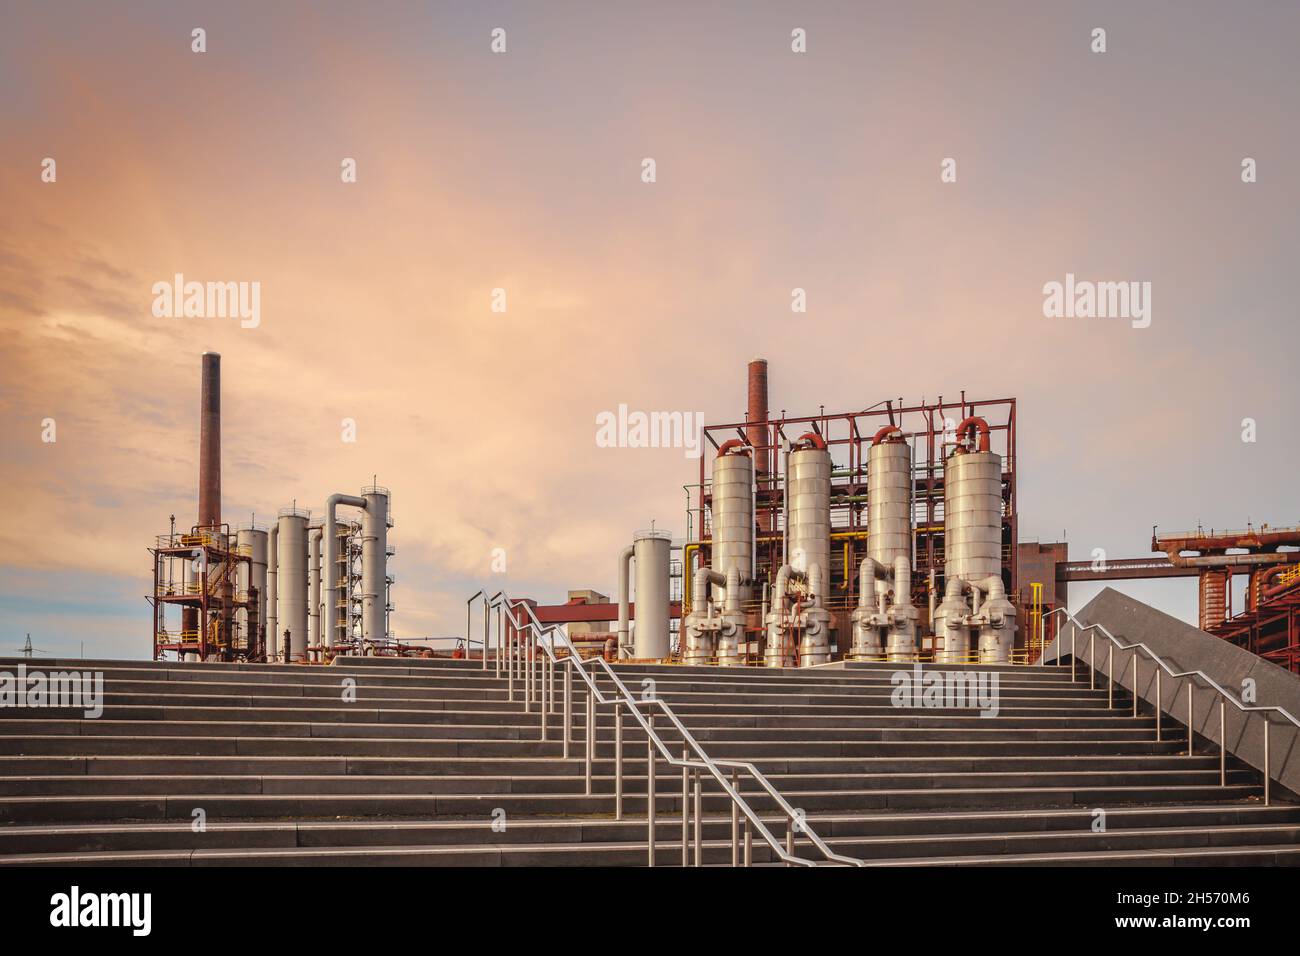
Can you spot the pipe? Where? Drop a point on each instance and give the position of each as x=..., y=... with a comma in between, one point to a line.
x=727, y=446
x=902, y=580
x=868, y=571
x=704, y=576
x=1227, y=560
x=885, y=432
x=624, y=586
x=330, y=533
x=974, y=422
x=272, y=592
x=733, y=591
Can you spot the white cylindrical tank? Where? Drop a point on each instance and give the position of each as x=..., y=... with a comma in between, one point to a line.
x=733, y=519
x=313, y=588
x=889, y=503
x=972, y=538
x=374, y=563
x=652, y=602
x=251, y=540
x=291, y=582
x=809, y=519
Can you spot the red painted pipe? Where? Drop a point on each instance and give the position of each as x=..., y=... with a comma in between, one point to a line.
x=976, y=423
x=817, y=440
x=725, y=448
x=885, y=432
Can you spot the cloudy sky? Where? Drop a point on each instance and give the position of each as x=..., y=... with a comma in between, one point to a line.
x=522, y=171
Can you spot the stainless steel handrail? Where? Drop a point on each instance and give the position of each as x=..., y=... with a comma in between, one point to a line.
x=702, y=761
x=1224, y=695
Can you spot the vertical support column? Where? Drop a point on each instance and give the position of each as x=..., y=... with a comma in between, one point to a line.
x=591, y=737
x=686, y=807
x=735, y=821
x=1223, y=741
x=650, y=787
x=1268, y=769
x=1135, y=682
x=618, y=760
x=568, y=704
x=1160, y=713
x=699, y=821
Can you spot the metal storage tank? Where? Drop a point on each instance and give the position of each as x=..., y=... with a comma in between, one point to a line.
x=291, y=582
x=889, y=503
x=652, y=602
x=809, y=518
x=972, y=502
x=374, y=563
x=733, y=518
x=251, y=540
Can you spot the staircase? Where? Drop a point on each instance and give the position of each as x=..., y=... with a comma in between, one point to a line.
x=432, y=754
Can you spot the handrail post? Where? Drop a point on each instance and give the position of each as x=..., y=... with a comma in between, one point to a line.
x=487, y=632
x=568, y=704
x=1092, y=661
x=789, y=839
x=749, y=843
x=735, y=820
x=1159, y=709
x=542, y=708
x=650, y=787
x=1268, y=770
x=618, y=761
x=591, y=737
x=1110, y=677
x=510, y=667
x=699, y=821
x=550, y=679
x=686, y=807
x=501, y=643
x=1223, y=741
x=1135, y=682
x=1191, y=714
x=1074, y=652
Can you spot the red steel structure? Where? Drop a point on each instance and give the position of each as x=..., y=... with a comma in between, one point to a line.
x=932, y=431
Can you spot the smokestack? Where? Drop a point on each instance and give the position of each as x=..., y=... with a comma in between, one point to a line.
x=210, y=443
x=755, y=434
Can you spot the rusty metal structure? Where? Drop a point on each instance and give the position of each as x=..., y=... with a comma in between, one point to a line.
x=931, y=432
x=1218, y=555
x=256, y=594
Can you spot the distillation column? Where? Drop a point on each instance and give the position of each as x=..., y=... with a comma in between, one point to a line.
x=291, y=583
x=374, y=564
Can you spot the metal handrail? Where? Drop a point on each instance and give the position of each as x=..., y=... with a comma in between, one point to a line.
x=702, y=761
x=1224, y=694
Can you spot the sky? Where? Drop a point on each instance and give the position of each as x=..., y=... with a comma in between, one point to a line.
x=523, y=171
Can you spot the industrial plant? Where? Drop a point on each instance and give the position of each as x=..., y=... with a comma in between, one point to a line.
x=299, y=591
x=849, y=659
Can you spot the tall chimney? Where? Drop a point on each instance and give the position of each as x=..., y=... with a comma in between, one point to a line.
x=756, y=432
x=210, y=443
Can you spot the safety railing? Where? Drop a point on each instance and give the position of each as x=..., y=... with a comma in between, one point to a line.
x=1162, y=667
x=521, y=663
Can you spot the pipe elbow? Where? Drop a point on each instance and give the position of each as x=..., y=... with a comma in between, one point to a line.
x=975, y=424
x=730, y=445
x=886, y=432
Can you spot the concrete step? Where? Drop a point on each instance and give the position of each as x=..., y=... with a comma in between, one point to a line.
x=902, y=828
x=634, y=763
x=317, y=806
